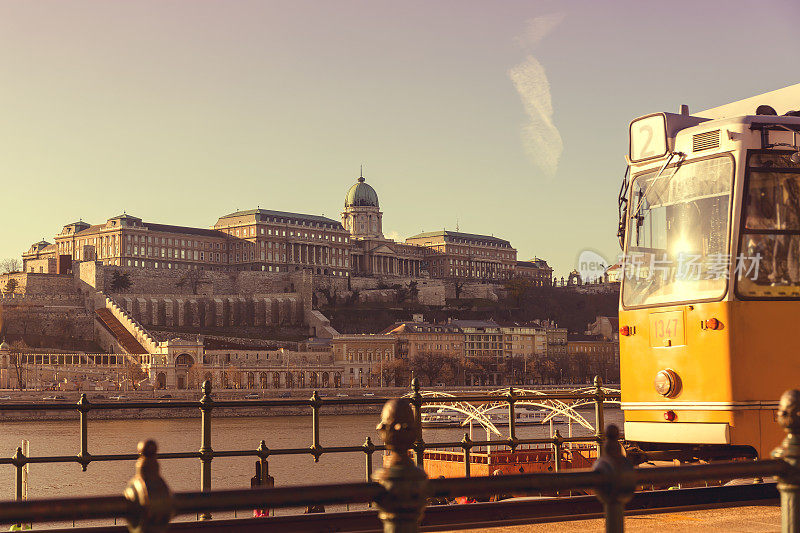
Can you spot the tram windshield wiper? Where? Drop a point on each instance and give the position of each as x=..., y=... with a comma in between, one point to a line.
x=637, y=213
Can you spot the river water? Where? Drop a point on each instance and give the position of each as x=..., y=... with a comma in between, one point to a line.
x=174, y=435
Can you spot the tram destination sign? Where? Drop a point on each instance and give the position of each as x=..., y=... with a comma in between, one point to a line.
x=648, y=137
x=653, y=136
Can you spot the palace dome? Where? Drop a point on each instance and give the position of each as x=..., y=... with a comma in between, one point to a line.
x=361, y=195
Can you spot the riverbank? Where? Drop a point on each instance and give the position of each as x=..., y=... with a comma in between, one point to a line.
x=41, y=398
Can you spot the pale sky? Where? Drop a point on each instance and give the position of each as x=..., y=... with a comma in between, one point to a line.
x=506, y=118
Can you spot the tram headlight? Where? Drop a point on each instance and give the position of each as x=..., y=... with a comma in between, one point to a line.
x=667, y=383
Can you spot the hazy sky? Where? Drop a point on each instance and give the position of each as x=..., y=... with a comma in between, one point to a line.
x=508, y=118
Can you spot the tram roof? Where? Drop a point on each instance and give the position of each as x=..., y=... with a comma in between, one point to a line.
x=782, y=100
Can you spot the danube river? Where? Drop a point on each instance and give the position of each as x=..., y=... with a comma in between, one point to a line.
x=174, y=435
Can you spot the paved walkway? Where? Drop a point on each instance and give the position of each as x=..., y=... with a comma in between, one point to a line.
x=750, y=519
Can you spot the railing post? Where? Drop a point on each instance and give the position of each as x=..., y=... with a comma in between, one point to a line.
x=206, y=451
x=316, y=447
x=466, y=444
x=599, y=415
x=419, y=442
x=84, y=457
x=402, y=505
x=789, y=451
x=263, y=454
x=18, y=460
x=369, y=449
x=619, y=481
x=512, y=422
x=558, y=442
x=149, y=492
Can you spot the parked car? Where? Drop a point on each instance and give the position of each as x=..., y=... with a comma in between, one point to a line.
x=119, y=397
x=56, y=398
x=5, y=397
x=285, y=395
x=165, y=397
x=252, y=396
x=369, y=394
x=341, y=395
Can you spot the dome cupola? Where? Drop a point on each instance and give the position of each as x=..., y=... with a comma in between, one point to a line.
x=362, y=215
x=361, y=195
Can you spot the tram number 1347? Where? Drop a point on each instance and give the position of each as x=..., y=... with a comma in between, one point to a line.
x=666, y=329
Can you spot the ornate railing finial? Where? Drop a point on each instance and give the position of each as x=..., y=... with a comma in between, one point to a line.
x=789, y=452
x=789, y=413
x=206, y=388
x=148, y=490
x=398, y=430
x=402, y=505
x=619, y=479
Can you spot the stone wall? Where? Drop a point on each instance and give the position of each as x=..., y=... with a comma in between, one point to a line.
x=377, y=290
x=222, y=311
x=161, y=281
x=40, y=325
x=43, y=285
x=484, y=291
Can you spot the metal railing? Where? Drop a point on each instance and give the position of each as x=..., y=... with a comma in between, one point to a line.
x=401, y=489
x=207, y=404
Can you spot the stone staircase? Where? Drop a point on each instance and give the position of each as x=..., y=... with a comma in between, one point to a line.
x=320, y=325
x=130, y=335
x=127, y=341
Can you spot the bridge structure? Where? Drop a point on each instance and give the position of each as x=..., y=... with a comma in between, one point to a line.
x=479, y=411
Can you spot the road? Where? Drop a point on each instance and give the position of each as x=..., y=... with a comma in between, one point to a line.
x=751, y=519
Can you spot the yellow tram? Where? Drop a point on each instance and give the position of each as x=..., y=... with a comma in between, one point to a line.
x=710, y=299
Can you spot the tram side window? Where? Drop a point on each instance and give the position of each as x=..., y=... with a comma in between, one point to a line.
x=677, y=247
x=769, y=253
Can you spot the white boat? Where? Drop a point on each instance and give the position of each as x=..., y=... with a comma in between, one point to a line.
x=524, y=415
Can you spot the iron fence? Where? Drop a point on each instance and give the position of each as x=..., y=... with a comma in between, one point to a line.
x=401, y=489
x=207, y=404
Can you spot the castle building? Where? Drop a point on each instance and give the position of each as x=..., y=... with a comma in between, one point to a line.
x=277, y=241
x=536, y=270
x=373, y=254
x=465, y=255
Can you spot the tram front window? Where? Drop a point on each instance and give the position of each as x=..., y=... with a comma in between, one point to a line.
x=678, y=234
x=771, y=233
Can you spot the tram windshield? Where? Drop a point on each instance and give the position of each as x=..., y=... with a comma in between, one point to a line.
x=771, y=232
x=678, y=234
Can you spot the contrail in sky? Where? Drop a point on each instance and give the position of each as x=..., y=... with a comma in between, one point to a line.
x=540, y=137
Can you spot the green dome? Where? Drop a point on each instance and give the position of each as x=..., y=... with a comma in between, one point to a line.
x=361, y=195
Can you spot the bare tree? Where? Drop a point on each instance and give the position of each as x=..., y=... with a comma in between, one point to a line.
x=192, y=280
x=18, y=362
x=11, y=286
x=195, y=376
x=10, y=265
x=459, y=287
x=135, y=373
x=329, y=290
x=120, y=281
x=435, y=367
x=391, y=372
